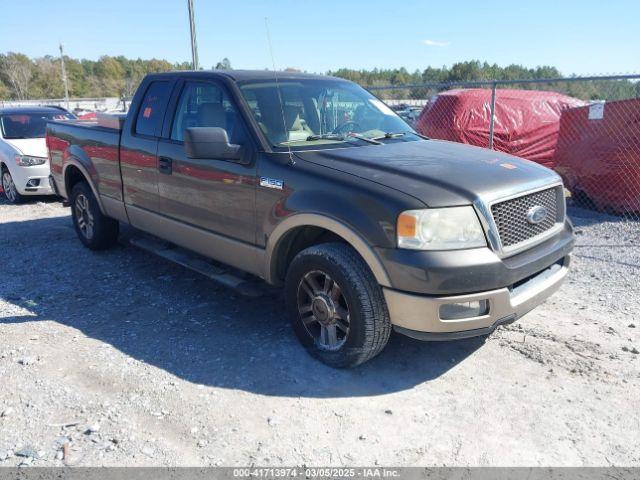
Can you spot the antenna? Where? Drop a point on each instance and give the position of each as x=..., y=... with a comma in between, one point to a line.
x=275, y=74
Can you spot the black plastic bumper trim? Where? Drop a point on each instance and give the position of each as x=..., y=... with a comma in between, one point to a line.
x=446, y=336
x=52, y=184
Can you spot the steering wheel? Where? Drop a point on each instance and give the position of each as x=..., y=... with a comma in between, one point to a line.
x=347, y=127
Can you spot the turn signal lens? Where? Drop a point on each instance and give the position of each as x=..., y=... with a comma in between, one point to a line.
x=407, y=225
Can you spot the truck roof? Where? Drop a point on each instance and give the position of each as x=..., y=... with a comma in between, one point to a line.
x=248, y=75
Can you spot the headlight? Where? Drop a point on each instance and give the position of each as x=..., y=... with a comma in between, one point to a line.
x=440, y=229
x=28, y=161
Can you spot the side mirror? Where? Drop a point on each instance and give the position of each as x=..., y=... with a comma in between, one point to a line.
x=210, y=143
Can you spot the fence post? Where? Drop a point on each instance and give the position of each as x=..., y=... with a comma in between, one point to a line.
x=493, y=114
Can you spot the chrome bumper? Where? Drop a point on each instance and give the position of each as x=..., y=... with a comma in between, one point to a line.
x=419, y=316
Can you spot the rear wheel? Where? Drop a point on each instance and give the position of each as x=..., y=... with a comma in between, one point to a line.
x=95, y=230
x=336, y=307
x=9, y=187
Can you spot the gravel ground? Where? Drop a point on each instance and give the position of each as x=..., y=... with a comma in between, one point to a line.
x=120, y=358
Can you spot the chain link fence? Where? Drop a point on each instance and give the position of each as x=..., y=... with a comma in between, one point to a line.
x=586, y=128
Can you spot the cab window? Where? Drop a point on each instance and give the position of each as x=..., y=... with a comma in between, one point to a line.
x=152, y=108
x=206, y=105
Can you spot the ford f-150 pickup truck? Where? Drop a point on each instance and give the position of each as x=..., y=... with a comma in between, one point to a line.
x=313, y=183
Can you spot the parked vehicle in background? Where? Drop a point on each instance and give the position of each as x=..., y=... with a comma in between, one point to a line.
x=408, y=113
x=526, y=121
x=312, y=183
x=598, y=155
x=24, y=164
x=84, y=114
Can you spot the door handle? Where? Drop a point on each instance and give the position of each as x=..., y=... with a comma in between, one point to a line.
x=164, y=165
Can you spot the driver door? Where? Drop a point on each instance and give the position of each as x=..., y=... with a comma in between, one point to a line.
x=213, y=194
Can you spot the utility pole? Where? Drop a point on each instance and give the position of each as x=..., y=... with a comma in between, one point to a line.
x=194, y=44
x=64, y=77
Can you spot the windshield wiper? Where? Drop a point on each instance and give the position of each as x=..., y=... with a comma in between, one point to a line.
x=390, y=135
x=362, y=137
x=334, y=136
x=337, y=136
x=326, y=136
x=312, y=138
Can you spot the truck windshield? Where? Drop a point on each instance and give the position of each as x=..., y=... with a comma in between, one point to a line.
x=310, y=113
x=28, y=124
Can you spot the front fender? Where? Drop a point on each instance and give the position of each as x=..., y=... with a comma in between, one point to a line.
x=328, y=223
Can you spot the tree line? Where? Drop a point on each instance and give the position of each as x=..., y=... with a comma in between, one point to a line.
x=474, y=70
x=24, y=78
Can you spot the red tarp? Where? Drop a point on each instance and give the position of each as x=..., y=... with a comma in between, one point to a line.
x=526, y=124
x=600, y=156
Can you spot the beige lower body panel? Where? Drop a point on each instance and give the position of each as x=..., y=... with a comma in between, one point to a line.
x=114, y=208
x=231, y=252
x=422, y=314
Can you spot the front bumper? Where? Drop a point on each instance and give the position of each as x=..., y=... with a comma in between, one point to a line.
x=32, y=180
x=456, y=272
x=418, y=316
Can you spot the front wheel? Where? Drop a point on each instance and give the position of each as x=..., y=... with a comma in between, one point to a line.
x=9, y=187
x=336, y=306
x=95, y=230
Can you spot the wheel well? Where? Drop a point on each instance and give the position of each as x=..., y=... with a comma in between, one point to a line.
x=72, y=176
x=297, y=240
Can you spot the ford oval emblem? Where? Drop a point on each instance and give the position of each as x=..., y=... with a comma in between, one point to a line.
x=536, y=214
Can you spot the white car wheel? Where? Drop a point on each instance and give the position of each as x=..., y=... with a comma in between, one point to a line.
x=9, y=188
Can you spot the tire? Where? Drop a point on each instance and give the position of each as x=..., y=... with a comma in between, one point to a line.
x=95, y=230
x=9, y=187
x=315, y=304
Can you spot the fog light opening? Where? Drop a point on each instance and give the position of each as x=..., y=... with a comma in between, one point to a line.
x=33, y=183
x=458, y=311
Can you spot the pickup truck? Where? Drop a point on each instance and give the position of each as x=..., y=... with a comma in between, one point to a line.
x=312, y=183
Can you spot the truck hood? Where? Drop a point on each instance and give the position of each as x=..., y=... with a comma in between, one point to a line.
x=439, y=173
x=35, y=147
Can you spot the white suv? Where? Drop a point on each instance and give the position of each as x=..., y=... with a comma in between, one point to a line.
x=24, y=165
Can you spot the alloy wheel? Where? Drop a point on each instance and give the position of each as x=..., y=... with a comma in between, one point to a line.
x=9, y=187
x=323, y=310
x=84, y=218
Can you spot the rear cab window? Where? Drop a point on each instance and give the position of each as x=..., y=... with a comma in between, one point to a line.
x=152, y=108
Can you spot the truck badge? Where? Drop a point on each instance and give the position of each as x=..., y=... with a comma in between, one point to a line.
x=271, y=183
x=536, y=214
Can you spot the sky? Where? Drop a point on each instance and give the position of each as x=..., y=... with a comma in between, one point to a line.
x=577, y=37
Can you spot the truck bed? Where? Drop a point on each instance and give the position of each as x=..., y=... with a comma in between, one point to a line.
x=89, y=146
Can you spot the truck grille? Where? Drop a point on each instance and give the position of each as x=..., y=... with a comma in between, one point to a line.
x=510, y=216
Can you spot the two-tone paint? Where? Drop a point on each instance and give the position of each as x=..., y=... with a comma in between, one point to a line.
x=230, y=211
